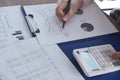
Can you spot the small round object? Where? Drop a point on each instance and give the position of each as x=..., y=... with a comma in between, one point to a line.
x=79, y=12
x=87, y=27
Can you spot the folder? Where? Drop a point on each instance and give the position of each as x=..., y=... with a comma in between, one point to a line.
x=113, y=39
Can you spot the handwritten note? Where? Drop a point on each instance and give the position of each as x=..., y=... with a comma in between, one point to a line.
x=50, y=21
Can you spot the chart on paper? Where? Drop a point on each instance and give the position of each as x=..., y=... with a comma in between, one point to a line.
x=49, y=20
x=82, y=25
x=12, y=26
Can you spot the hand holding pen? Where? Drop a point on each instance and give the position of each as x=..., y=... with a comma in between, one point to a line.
x=66, y=9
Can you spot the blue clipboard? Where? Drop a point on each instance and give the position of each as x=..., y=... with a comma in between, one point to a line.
x=113, y=39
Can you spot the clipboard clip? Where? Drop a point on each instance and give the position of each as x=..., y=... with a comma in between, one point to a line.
x=32, y=24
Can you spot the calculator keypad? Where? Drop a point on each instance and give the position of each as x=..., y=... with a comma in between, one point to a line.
x=101, y=54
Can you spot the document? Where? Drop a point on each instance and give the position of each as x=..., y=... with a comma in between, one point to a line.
x=13, y=27
x=105, y=4
x=36, y=62
x=88, y=21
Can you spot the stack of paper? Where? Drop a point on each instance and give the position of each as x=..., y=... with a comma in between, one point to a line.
x=40, y=58
x=35, y=62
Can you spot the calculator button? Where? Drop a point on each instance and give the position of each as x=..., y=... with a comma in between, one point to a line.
x=101, y=55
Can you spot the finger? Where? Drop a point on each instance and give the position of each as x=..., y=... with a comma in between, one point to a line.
x=59, y=13
x=60, y=7
x=115, y=55
x=68, y=15
x=59, y=17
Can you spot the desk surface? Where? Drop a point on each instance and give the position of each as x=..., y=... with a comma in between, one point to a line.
x=113, y=39
x=23, y=2
x=29, y=2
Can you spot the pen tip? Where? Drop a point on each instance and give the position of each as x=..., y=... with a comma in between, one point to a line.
x=63, y=24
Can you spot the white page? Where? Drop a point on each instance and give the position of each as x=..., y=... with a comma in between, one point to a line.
x=35, y=62
x=50, y=26
x=12, y=22
x=106, y=4
x=3, y=34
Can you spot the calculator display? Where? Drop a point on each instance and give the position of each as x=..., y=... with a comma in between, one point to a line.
x=89, y=59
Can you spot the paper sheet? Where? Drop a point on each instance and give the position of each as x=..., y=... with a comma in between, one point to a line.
x=107, y=4
x=89, y=22
x=35, y=62
x=13, y=27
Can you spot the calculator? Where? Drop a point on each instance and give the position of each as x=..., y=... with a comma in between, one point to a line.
x=95, y=60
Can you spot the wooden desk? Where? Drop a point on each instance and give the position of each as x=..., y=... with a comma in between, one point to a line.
x=24, y=2
x=30, y=2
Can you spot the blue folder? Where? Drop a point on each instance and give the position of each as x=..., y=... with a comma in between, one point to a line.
x=113, y=39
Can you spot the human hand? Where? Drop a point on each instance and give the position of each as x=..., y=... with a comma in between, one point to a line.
x=61, y=4
x=115, y=55
x=75, y=4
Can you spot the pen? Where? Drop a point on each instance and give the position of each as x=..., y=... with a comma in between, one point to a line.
x=66, y=10
x=29, y=21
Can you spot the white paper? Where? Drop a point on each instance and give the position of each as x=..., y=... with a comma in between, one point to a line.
x=51, y=27
x=107, y=4
x=35, y=62
x=12, y=21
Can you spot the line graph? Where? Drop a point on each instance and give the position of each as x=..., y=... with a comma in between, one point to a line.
x=50, y=20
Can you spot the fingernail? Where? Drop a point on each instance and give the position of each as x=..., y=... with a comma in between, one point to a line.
x=65, y=18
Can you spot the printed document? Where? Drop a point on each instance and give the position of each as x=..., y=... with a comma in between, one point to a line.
x=13, y=27
x=88, y=21
x=35, y=62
